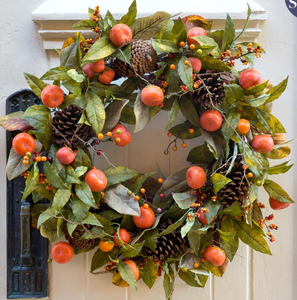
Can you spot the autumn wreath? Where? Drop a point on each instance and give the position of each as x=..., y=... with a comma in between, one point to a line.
x=187, y=224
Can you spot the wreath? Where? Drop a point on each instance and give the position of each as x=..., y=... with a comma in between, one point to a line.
x=187, y=224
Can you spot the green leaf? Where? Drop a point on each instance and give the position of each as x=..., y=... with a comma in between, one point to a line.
x=53, y=176
x=145, y=28
x=166, y=31
x=95, y=112
x=71, y=176
x=277, y=90
x=233, y=92
x=101, y=258
x=140, y=181
x=82, y=159
x=277, y=192
x=194, y=237
x=233, y=210
x=219, y=181
x=150, y=238
x=58, y=73
x=79, y=171
x=168, y=282
x=142, y=114
x=49, y=229
x=184, y=200
x=189, y=278
x=200, y=154
x=31, y=181
x=127, y=274
x=99, y=50
x=186, y=73
x=188, y=110
x=60, y=199
x=269, y=122
x=117, y=198
x=209, y=62
x=113, y=114
x=149, y=273
x=118, y=174
x=259, y=100
x=71, y=55
x=213, y=208
x=246, y=23
x=79, y=209
x=91, y=219
x=84, y=193
x=279, y=169
x=251, y=237
x=174, y=226
x=187, y=227
x=130, y=251
x=76, y=76
x=256, y=88
x=215, y=142
x=124, y=55
x=109, y=21
x=182, y=131
x=165, y=46
x=35, y=84
x=230, y=246
x=129, y=17
x=85, y=24
x=226, y=236
x=206, y=42
x=229, y=127
x=178, y=32
x=229, y=34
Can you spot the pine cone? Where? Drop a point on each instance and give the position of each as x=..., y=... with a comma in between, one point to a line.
x=169, y=245
x=143, y=60
x=235, y=190
x=214, y=81
x=75, y=240
x=64, y=126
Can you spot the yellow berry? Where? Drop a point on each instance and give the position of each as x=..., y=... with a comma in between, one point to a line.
x=100, y=136
x=129, y=193
x=44, y=158
x=119, y=131
x=26, y=158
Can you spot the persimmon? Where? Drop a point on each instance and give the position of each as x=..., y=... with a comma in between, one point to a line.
x=87, y=70
x=96, y=180
x=195, y=31
x=196, y=64
x=196, y=177
x=134, y=268
x=243, y=126
x=146, y=218
x=152, y=95
x=124, y=135
x=201, y=217
x=124, y=235
x=23, y=143
x=62, y=252
x=65, y=156
x=277, y=205
x=120, y=34
x=249, y=78
x=107, y=76
x=262, y=143
x=52, y=96
x=98, y=66
x=214, y=255
x=106, y=246
x=211, y=120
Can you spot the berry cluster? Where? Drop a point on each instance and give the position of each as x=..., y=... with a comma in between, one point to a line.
x=97, y=18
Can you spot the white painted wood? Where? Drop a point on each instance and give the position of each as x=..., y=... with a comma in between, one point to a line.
x=253, y=277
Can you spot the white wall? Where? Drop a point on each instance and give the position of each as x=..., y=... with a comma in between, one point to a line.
x=251, y=276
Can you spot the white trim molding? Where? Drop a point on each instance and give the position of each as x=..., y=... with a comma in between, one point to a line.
x=56, y=17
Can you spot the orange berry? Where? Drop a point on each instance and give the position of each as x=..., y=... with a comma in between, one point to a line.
x=145, y=205
x=192, y=46
x=100, y=136
x=44, y=158
x=203, y=260
x=174, y=148
x=191, y=130
x=249, y=175
x=160, y=180
x=118, y=140
x=142, y=190
x=172, y=67
x=196, y=265
x=184, y=145
x=186, y=62
x=25, y=162
x=38, y=158
x=26, y=158
x=169, y=134
x=182, y=44
x=245, y=167
x=109, y=134
x=136, y=198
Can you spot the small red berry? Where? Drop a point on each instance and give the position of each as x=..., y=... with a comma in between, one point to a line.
x=161, y=196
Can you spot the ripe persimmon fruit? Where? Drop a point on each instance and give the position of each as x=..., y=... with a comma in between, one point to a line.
x=211, y=120
x=262, y=143
x=243, y=126
x=152, y=95
x=125, y=135
x=120, y=34
x=87, y=70
x=62, y=252
x=214, y=255
x=134, y=268
x=146, y=218
x=277, y=205
x=249, y=78
x=96, y=180
x=202, y=218
x=65, y=156
x=195, y=31
x=124, y=235
x=106, y=246
x=107, y=76
x=196, y=64
x=98, y=66
x=196, y=177
x=23, y=143
x=52, y=96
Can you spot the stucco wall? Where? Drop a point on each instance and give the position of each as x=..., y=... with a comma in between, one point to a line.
x=251, y=276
